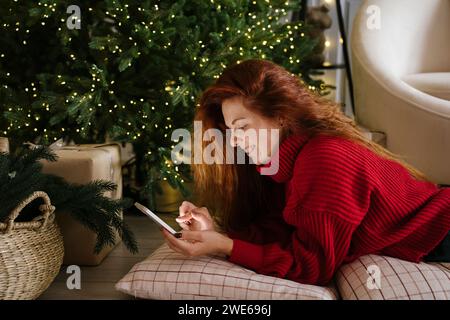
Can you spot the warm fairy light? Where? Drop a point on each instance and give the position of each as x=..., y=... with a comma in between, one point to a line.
x=262, y=26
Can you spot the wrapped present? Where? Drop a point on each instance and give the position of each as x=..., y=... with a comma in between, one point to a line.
x=4, y=144
x=82, y=164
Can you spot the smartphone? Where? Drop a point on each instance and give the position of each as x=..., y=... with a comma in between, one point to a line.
x=157, y=219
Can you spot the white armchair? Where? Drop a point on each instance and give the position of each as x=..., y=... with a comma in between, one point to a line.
x=401, y=74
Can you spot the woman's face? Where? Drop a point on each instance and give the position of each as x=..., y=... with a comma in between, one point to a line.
x=250, y=131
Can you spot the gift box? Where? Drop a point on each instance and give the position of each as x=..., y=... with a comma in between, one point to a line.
x=82, y=164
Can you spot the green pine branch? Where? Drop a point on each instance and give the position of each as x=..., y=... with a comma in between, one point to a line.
x=21, y=174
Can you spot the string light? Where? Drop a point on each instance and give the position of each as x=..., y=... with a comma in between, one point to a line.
x=245, y=47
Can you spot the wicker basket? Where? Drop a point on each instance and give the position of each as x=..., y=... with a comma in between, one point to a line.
x=31, y=253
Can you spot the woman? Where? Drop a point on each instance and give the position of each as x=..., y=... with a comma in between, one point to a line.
x=335, y=196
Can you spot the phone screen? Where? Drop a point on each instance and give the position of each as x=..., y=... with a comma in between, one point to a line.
x=156, y=219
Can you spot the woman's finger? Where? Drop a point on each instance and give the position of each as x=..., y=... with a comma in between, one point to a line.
x=184, y=226
x=184, y=218
x=167, y=240
x=186, y=246
x=171, y=243
x=171, y=246
x=184, y=222
x=174, y=248
x=185, y=207
x=192, y=235
x=201, y=217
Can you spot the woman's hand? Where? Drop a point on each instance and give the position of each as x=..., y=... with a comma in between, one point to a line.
x=198, y=243
x=193, y=218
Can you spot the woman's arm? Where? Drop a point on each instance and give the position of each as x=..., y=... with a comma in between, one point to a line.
x=327, y=202
x=269, y=228
x=311, y=255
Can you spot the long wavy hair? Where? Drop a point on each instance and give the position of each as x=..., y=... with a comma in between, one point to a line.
x=237, y=194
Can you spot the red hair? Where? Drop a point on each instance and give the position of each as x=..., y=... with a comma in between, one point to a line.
x=237, y=194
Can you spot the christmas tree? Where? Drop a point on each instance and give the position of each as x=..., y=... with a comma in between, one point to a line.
x=132, y=70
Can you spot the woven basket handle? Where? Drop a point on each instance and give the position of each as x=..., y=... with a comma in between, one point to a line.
x=46, y=208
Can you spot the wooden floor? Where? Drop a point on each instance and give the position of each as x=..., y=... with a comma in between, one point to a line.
x=98, y=282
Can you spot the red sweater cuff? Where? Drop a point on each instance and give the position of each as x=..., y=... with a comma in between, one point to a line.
x=246, y=254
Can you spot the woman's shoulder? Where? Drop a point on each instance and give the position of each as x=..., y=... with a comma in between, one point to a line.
x=334, y=158
x=322, y=149
x=329, y=169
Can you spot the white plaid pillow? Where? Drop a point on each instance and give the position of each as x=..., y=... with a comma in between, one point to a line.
x=398, y=279
x=168, y=275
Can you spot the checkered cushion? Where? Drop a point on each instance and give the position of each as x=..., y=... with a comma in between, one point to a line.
x=168, y=275
x=398, y=279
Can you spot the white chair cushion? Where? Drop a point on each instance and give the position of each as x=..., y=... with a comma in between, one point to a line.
x=434, y=83
x=168, y=275
x=398, y=279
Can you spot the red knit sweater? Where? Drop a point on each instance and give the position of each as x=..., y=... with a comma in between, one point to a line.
x=342, y=201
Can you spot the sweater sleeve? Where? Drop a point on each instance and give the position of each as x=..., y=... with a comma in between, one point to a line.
x=330, y=195
x=311, y=256
x=267, y=229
